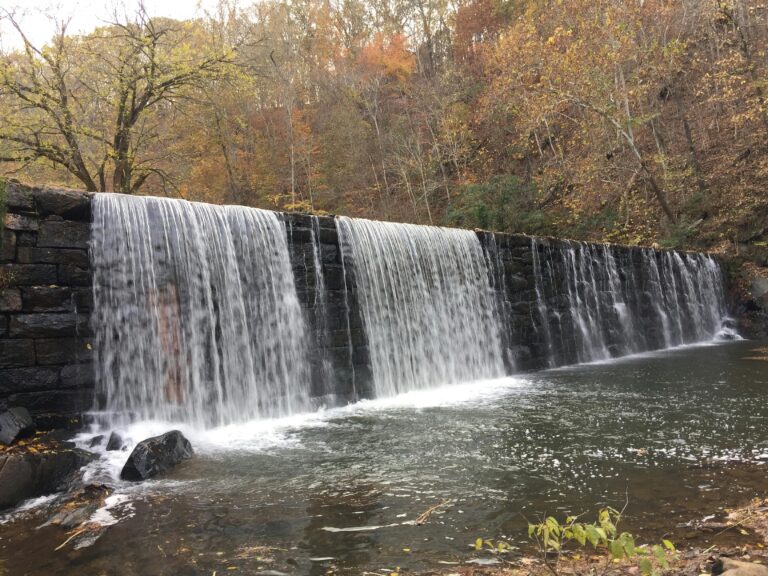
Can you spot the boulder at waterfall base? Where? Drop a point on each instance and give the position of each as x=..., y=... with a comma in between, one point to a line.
x=15, y=423
x=115, y=442
x=38, y=466
x=156, y=455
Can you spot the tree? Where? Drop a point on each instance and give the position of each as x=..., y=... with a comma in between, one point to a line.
x=592, y=69
x=91, y=104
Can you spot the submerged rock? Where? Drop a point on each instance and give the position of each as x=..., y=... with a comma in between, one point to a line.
x=115, y=442
x=30, y=474
x=15, y=423
x=96, y=441
x=156, y=455
x=78, y=509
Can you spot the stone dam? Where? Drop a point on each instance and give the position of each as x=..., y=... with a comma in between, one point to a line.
x=143, y=307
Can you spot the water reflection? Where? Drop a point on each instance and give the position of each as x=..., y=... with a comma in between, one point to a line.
x=358, y=506
x=664, y=431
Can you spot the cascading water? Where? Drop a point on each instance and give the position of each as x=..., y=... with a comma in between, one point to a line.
x=615, y=301
x=196, y=317
x=429, y=312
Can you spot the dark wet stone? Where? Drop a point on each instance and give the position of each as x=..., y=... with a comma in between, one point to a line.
x=47, y=299
x=96, y=441
x=7, y=246
x=17, y=353
x=10, y=300
x=59, y=437
x=115, y=442
x=70, y=256
x=74, y=276
x=21, y=223
x=69, y=204
x=29, y=274
x=26, y=239
x=64, y=234
x=15, y=423
x=18, y=196
x=62, y=351
x=47, y=325
x=300, y=235
x=48, y=401
x=156, y=455
x=78, y=376
x=27, y=475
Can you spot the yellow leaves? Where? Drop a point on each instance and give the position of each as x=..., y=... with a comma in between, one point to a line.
x=388, y=58
x=559, y=34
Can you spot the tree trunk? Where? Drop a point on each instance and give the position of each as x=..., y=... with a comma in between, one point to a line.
x=658, y=192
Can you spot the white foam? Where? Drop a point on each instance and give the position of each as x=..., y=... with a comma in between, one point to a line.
x=268, y=434
x=357, y=528
x=28, y=506
x=38, y=502
x=259, y=435
x=446, y=396
x=104, y=516
x=661, y=352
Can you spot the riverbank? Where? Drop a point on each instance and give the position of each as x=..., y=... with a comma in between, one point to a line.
x=739, y=540
x=728, y=539
x=64, y=528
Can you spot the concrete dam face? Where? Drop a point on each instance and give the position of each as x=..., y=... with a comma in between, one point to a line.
x=150, y=308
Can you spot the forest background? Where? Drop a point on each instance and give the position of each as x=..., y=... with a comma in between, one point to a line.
x=637, y=121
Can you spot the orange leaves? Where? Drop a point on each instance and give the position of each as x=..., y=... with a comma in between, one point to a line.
x=387, y=58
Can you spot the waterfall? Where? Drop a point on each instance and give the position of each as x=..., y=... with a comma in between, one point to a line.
x=196, y=316
x=612, y=301
x=429, y=311
x=212, y=315
x=542, y=307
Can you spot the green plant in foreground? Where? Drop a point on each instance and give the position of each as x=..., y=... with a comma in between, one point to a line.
x=552, y=537
x=499, y=547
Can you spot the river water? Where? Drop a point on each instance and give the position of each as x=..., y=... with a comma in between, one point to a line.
x=677, y=434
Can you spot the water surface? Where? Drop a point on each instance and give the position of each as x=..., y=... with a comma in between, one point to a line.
x=678, y=434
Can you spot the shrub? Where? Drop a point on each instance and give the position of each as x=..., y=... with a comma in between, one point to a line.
x=503, y=204
x=552, y=537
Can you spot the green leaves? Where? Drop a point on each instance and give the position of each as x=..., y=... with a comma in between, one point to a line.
x=669, y=546
x=552, y=537
x=499, y=547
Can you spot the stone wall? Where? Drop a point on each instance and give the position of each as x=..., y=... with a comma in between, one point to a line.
x=45, y=299
x=339, y=355
x=45, y=303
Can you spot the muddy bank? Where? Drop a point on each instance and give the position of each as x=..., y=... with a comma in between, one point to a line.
x=728, y=541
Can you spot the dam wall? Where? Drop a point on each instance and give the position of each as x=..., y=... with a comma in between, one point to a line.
x=159, y=308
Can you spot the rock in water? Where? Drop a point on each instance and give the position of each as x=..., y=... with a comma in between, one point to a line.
x=115, y=442
x=156, y=455
x=96, y=441
x=15, y=423
x=28, y=475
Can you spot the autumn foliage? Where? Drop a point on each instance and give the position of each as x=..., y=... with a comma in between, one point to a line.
x=631, y=121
